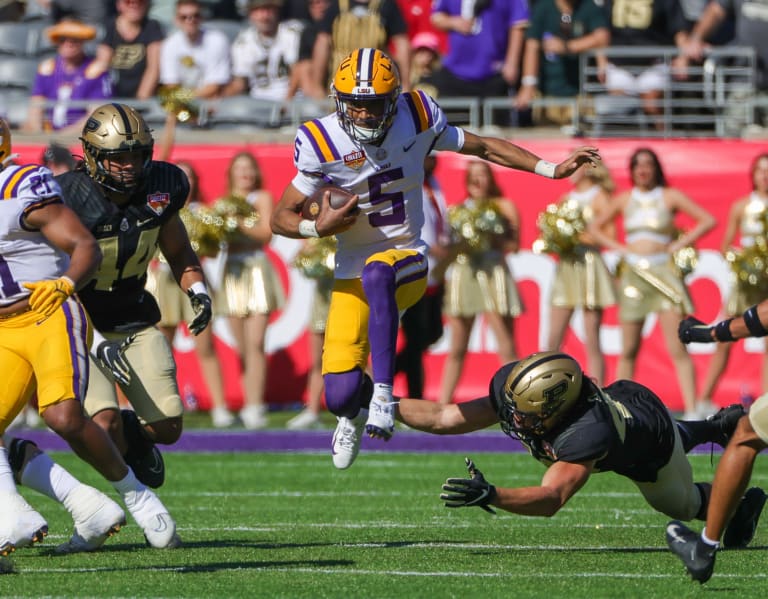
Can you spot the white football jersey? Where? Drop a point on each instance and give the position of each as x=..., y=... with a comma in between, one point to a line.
x=25, y=254
x=388, y=177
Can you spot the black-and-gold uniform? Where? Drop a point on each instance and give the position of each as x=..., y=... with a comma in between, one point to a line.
x=128, y=236
x=625, y=427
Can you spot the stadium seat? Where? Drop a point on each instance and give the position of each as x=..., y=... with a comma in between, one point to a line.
x=236, y=111
x=14, y=106
x=17, y=72
x=17, y=39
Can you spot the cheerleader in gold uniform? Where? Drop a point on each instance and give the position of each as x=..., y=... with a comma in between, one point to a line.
x=582, y=279
x=649, y=280
x=748, y=217
x=251, y=289
x=480, y=282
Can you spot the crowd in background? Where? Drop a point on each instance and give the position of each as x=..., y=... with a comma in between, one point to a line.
x=279, y=50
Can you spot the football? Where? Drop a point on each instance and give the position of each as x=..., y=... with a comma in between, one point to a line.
x=339, y=197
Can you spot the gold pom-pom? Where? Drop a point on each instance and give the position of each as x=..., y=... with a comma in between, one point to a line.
x=477, y=224
x=316, y=259
x=235, y=211
x=204, y=228
x=560, y=227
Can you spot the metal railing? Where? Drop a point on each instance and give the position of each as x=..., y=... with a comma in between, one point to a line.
x=700, y=104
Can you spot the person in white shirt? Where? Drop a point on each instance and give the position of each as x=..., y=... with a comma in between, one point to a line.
x=194, y=56
x=263, y=55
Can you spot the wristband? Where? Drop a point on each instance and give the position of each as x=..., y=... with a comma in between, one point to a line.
x=532, y=80
x=723, y=331
x=198, y=287
x=545, y=169
x=752, y=320
x=71, y=282
x=308, y=228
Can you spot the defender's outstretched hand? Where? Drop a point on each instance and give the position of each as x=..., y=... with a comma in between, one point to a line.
x=693, y=330
x=471, y=492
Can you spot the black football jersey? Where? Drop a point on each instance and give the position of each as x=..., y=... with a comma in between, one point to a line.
x=625, y=427
x=128, y=236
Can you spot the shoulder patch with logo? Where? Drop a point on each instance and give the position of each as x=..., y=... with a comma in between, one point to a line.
x=158, y=202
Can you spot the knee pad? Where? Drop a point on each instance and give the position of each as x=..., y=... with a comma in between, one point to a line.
x=347, y=392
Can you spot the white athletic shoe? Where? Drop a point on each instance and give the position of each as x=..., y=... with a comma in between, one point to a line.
x=346, y=439
x=154, y=519
x=96, y=518
x=381, y=418
x=20, y=524
x=254, y=417
x=222, y=418
x=303, y=420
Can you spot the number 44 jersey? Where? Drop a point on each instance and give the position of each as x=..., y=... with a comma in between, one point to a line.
x=387, y=177
x=128, y=236
x=25, y=254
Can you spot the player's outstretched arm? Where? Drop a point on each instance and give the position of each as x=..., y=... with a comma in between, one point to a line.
x=451, y=419
x=507, y=154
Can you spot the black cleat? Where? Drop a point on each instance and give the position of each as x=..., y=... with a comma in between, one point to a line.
x=726, y=420
x=741, y=528
x=697, y=557
x=143, y=457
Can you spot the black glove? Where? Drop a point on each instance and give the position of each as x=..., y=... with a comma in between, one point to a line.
x=475, y=491
x=111, y=355
x=201, y=304
x=693, y=330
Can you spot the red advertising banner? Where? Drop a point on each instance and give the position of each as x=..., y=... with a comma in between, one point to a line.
x=714, y=173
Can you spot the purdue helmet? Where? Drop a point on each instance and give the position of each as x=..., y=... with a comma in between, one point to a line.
x=5, y=143
x=366, y=78
x=114, y=129
x=539, y=391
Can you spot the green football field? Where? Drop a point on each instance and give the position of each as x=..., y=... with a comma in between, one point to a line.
x=289, y=525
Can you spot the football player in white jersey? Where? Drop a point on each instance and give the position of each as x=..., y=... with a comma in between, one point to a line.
x=374, y=146
x=45, y=254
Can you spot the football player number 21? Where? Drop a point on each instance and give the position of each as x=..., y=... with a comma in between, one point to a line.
x=8, y=285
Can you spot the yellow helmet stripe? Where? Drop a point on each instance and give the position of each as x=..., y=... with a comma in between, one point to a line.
x=11, y=185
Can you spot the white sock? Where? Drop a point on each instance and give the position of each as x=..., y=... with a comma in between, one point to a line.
x=6, y=474
x=129, y=488
x=707, y=540
x=45, y=476
x=382, y=391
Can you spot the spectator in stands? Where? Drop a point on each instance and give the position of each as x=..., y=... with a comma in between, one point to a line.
x=425, y=61
x=582, y=279
x=480, y=281
x=418, y=19
x=560, y=30
x=251, y=289
x=195, y=57
x=422, y=323
x=352, y=24
x=66, y=81
x=131, y=46
x=751, y=26
x=747, y=218
x=661, y=23
x=305, y=80
x=485, y=45
x=263, y=55
x=649, y=280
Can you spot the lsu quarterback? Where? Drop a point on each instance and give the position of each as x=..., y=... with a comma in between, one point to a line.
x=374, y=146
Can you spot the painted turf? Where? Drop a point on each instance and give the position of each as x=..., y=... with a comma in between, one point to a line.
x=320, y=441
